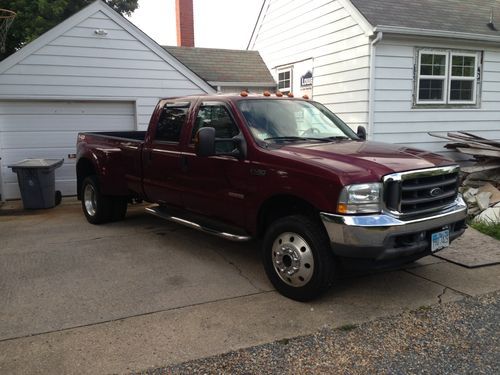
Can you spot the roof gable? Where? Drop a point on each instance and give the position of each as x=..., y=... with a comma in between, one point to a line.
x=99, y=7
x=224, y=65
x=458, y=16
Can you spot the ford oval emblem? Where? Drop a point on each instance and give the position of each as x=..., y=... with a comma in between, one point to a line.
x=436, y=192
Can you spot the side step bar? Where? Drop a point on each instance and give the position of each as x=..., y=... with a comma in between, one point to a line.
x=160, y=212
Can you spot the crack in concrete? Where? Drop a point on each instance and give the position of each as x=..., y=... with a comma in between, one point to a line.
x=438, y=283
x=439, y=297
x=240, y=272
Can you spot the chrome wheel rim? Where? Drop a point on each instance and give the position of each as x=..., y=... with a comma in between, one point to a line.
x=293, y=259
x=90, y=200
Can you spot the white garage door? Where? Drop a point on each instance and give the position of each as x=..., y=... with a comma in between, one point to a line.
x=48, y=129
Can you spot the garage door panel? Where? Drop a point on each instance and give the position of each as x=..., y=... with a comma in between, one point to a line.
x=49, y=130
x=66, y=108
x=29, y=140
x=64, y=122
x=11, y=156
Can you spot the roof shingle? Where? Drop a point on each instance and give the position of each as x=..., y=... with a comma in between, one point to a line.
x=223, y=65
x=466, y=16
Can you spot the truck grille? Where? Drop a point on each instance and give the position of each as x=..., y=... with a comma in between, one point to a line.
x=418, y=192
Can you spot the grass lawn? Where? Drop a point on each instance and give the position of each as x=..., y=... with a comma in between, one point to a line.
x=492, y=230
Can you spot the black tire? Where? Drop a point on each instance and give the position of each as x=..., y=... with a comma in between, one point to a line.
x=119, y=208
x=298, y=244
x=96, y=207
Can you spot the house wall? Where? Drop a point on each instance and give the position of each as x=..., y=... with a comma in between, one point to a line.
x=324, y=32
x=395, y=120
x=80, y=64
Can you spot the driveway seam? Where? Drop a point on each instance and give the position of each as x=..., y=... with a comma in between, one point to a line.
x=135, y=316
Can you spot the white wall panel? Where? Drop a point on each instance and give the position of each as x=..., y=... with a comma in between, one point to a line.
x=48, y=129
x=324, y=31
x=396, y=120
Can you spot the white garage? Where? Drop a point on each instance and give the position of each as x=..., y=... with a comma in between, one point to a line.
x=95, y=71
x=48, y=129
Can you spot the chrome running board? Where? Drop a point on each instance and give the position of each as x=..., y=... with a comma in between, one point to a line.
x=164, y=214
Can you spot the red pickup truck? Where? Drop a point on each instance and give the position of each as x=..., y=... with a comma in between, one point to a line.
x=283, y=170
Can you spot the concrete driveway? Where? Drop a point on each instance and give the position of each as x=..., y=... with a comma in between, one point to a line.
x=141, y=293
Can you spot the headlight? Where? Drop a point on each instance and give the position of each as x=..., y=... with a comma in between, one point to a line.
x=360, y=199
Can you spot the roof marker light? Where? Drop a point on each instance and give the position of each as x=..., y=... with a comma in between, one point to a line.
x=306, y=97
x=244, y=94
x=267, y=93
x=279, y=94
x=290, y=95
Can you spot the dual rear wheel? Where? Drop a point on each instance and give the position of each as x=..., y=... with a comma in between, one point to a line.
x=99, y=208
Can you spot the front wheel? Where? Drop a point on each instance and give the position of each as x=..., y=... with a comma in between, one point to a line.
x=297, y=257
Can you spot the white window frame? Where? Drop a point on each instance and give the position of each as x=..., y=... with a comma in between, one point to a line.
x=447, y=77
x=289, y=69
x=443, y=77
x=462, y=78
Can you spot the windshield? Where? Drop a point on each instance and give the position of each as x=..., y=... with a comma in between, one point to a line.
x=292, y=120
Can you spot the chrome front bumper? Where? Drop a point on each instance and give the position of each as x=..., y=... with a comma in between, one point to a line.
x=384, y=236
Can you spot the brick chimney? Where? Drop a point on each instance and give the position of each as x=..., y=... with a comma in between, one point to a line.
x=185, y=23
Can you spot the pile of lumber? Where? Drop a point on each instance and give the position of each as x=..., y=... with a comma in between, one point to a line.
x=481, y=180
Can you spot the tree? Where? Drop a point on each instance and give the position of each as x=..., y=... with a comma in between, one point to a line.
x=34, y=17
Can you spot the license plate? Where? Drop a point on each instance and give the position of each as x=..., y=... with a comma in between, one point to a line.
x=440, y=240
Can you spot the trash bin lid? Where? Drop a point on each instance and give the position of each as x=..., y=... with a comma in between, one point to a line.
x=38, y=163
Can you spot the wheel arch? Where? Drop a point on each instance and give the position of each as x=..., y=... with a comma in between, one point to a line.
x=282, y=205
x=84, y=168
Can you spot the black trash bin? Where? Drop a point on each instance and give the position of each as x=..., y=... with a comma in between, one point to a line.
x=37, y=182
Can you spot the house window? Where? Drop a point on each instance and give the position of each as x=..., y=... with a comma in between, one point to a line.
x=446, y=77
x=285, y=80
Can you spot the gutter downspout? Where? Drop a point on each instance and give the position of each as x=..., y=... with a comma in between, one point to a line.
x=371, y=88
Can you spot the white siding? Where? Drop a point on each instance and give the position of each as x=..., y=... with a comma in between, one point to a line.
x=48, y=129
x=396, y=121
x=324, y=31
x=82, y=65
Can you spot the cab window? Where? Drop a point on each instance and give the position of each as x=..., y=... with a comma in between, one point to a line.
x=217, y=117
x=172, y=119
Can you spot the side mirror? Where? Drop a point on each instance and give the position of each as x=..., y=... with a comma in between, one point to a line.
x=205, y=142
x=361, y=132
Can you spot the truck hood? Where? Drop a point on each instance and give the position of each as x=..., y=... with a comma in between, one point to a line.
x=363, y=161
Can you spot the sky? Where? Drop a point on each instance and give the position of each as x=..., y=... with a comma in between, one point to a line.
x=217, y=23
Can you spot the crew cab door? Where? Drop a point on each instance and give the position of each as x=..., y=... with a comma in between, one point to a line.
x=216, y=186
x=162, y=156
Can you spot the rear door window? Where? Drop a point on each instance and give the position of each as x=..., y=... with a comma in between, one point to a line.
x=172, y=118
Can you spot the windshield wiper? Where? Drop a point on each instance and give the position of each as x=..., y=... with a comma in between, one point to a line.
x=336, y=138
x=295, y=139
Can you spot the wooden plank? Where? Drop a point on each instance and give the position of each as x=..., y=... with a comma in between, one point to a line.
x=476, y=140
x=480, y=167
x=467, y=143
x=481, y=139
x=479, y=152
